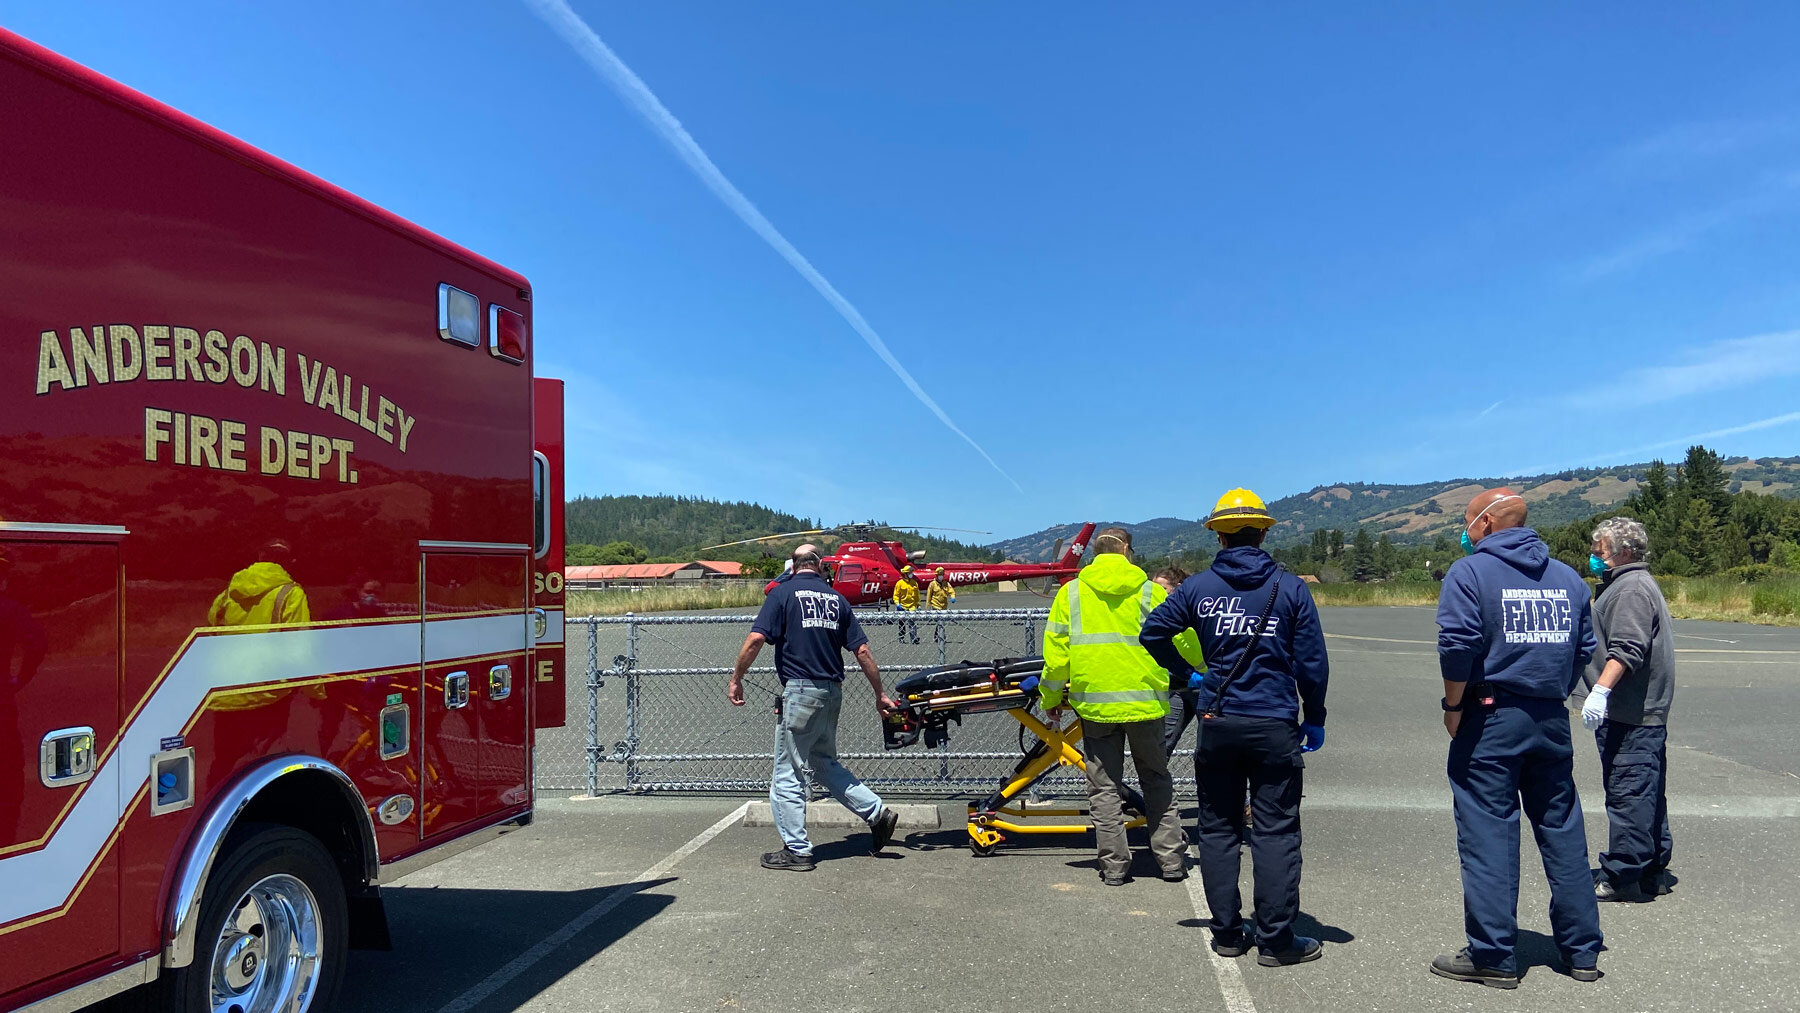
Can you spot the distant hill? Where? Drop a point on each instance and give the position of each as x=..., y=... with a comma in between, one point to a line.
x=1417, y=513
x=680, y=526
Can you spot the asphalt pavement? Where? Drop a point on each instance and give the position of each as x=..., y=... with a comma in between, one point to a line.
x=657, y=903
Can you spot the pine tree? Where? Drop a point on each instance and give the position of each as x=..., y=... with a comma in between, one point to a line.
x=1652, y=493
x=1387, y=561
x=1706, y=478
x=1696, y=534
x=1362, y=556
x=1336, y=541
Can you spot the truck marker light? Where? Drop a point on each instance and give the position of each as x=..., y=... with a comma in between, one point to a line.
x=507, y=330
x=459, y=316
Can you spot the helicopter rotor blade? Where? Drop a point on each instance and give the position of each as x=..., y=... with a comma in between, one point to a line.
x=767, y=538
x=933, y=527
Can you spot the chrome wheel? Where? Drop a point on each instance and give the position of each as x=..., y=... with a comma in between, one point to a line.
x=267, y=956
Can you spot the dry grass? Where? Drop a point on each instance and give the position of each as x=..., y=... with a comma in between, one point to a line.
x=745, y=595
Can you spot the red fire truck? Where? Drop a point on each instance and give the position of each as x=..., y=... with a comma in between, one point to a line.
x=280, y=555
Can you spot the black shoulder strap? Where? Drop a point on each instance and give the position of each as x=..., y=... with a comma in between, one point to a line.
x=1255, y=642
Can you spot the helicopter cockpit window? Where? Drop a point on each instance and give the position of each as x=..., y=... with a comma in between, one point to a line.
x=850, y=571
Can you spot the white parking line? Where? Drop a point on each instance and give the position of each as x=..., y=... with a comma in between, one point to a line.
x=581, y=922
x=1231, y=980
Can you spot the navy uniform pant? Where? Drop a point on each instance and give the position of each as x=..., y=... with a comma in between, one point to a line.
x=1518, y=756
x=1263, y=755
x=1184, y=709
x=1634, y=760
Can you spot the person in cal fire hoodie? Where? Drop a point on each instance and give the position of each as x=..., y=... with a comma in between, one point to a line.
x=1263, y=701
x=1515, y=633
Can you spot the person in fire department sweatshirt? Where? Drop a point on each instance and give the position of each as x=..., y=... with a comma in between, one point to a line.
x=1263, y=696
x=1515, y=633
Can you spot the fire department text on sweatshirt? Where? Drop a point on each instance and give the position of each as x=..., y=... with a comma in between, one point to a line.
x=1512, y=617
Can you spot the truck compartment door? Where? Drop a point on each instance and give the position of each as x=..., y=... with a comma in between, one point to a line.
x=547, y=592
x=475, y=700
x=59, y=727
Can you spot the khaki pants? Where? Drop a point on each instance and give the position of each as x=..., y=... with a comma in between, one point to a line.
x=1104, y=746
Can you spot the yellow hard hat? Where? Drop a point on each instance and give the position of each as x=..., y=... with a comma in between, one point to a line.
x=1237, y=510
x=906, y=569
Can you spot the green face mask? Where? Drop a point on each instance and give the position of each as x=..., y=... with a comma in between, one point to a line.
x=1468, y=543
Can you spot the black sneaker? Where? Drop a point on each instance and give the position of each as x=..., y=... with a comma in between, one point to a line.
x=1115, y=878
x=1235, y=943
x=881, y=829
x=787, y=860
x=1175, y=875
x=1305, y=948
x=1606, y=891
x=1458, y=967
x=1662, y=884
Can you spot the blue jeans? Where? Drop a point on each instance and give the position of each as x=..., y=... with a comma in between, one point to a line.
x=1512, y=757
x=1634, y=760
x=806, y=735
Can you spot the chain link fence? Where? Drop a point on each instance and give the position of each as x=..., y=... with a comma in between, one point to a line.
x=650, y=714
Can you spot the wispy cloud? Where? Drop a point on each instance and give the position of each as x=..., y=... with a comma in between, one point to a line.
x=1778, y=194
x=1626, y=455
x=1719, y=366
x=1684, y=142
x=1486, y=411
x=573, y=30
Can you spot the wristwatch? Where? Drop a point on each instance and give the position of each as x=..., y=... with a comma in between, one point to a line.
x=1449, y=708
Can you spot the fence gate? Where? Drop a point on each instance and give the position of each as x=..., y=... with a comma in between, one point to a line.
x=657, y=719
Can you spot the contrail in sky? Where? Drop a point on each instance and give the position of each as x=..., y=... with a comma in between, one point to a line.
x=566, y=23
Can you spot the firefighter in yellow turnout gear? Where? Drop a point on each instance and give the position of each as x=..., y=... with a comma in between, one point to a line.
x=1091, y=656
x=906, y=599
x=940, y=593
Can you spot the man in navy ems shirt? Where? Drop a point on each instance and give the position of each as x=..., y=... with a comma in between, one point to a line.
x=811, y=625
x=1515, y=633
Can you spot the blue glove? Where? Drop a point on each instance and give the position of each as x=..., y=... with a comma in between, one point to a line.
x=1312, y=738
x=1196, y=680
x=1029, y=684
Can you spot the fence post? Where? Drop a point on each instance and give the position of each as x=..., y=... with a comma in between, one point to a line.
x=631, y=701
x=593, y=688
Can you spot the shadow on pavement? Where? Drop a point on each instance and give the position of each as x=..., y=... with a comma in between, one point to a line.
x=449, y=940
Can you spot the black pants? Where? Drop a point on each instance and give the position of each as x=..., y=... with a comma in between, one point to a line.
x=1262, y=754
x=1184, y=709
x=1634, y=760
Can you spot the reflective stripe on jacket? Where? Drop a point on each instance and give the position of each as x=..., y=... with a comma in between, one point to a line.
x=1091, y=650
x=939, y=594
x=906, y=595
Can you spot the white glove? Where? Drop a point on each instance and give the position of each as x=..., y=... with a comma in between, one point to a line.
x=1594, y=711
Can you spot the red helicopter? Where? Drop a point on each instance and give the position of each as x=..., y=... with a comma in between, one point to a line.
x=866, y=571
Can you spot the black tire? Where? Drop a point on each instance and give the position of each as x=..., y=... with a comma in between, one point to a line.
x=980, y=850
x=250, y=855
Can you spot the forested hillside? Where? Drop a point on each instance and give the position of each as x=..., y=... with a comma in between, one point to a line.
x=664, y=525
x=636, y=529
x=1414, y=515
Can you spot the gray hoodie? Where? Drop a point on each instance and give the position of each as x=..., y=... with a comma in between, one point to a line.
x=1632, y=621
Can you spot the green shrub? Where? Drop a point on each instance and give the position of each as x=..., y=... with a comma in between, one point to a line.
x=1753, y=573
x=1776, y=599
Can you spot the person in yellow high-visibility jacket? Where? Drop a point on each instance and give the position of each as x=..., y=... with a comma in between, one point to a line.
x=906, y=599
x=1091, y=656
x=940, y=593
x=262, y=594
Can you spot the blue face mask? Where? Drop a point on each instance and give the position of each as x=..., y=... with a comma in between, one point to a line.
x=1468, y=543
x=1597, y=566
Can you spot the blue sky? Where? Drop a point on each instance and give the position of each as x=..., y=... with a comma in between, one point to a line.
x=1137, y=255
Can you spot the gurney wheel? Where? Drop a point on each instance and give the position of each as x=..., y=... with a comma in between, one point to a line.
x=980, y=850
